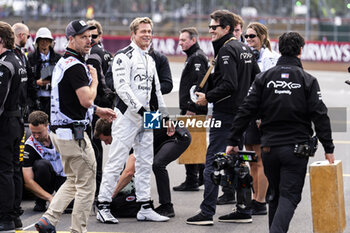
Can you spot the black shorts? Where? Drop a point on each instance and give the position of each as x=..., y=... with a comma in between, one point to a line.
x=252, y=134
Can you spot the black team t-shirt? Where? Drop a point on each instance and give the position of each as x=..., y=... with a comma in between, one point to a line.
x=74, y=78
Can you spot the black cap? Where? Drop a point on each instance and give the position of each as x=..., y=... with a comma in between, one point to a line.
x=77, y=27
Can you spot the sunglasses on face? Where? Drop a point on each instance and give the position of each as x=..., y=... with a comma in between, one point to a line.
x=94, y=36
x=251, y=36
x=215, y=26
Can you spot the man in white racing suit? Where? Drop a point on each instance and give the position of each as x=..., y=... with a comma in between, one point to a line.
x=134, y=75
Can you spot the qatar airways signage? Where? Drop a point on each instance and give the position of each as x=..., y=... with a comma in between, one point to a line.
x=313, y=50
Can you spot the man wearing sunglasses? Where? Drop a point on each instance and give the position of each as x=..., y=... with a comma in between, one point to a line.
x=235, y=69
x=97, y=46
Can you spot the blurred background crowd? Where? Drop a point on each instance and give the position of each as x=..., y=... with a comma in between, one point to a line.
x=316, y=20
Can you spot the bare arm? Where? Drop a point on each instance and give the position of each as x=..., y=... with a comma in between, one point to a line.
x=126, y=176
x=33, y=186
x=87, y=94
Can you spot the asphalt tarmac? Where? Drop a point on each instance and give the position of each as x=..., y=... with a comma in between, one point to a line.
x=336, y=94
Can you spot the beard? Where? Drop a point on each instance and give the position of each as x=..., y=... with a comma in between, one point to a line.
x=22, y=43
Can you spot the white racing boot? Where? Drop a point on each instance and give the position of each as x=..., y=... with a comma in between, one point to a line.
x=146, y=213
x=104, y=214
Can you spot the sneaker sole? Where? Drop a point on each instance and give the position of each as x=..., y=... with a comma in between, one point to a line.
x=237, y=220
x=144, y=219
x=201, y=223
x=226, y=202
x=260, y=213
x=186, y=190
x=170, y=215
x=100, y=219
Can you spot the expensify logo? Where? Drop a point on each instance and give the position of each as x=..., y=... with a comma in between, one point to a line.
x=152, y=120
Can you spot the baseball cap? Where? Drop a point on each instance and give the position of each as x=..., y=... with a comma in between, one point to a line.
x=77, y=27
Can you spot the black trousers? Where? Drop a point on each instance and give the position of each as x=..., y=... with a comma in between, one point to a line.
x=11, y=182
x=167, y=152
x=45, y=104
x=194, y=172
x=286, y=175
x=98, y=149
x=46, y=177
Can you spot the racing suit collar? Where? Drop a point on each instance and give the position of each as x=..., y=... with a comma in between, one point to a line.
x=286, y=60
x=73, y=53
x=93, y=43
x=192, y=49
x=219, y=43
x=138, y=48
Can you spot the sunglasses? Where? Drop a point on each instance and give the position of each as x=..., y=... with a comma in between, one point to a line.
x=251, y=36
x=94, y=36
x=215, y=26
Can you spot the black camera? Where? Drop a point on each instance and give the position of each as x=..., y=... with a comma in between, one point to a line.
x=231, y=169
x=223, y=160
x=46, y=72
x=306, y=149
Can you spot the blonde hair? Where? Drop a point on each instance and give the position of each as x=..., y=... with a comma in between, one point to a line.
x=239, y=20
x=97, y=24
x=261, y=31
x=134, y=25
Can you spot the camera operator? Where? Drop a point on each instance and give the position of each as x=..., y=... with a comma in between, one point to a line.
x=42, y=61
x=234, y=71
x=288, y=99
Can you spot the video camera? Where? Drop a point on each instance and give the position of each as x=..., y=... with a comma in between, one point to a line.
x=231, y=169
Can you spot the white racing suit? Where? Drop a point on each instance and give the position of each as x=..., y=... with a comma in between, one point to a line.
x=133, y=73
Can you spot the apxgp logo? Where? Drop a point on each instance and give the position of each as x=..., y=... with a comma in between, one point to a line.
x=283, y=84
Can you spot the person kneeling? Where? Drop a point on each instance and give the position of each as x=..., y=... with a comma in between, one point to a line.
x=42, y=167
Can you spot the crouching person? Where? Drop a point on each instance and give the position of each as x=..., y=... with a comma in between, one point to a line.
x=42, y=166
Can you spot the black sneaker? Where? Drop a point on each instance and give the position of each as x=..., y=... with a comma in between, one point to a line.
x=18, y=223
x=44, y=226
x=201, y=219
x=236, y=217
x=186, y=187
x=258, y=208
x=166, y=210
x=225, y=199
x=7, y=226
x=40, y=205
